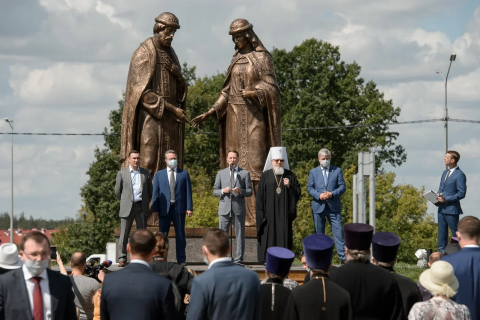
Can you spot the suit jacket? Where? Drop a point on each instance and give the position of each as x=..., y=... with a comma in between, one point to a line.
x=136, y=292
x=225, y=291
x=454, y=190
x=335, y=185
x=124, y=191
x=314, y=301
x=14, y=301
x=243, y=181
x=466, y=264
x=161, y=193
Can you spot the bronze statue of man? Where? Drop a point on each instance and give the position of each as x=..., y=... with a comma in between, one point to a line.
x=154, y=113
x=248, y=108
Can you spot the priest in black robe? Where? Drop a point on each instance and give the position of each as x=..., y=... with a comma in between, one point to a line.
x=320, y=298
x=276, y=204
x=274, y=296
x=374, y=292
x=384, y=250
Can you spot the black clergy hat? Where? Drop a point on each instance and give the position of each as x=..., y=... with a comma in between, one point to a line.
x=318, y=251
x=279, y=261
x=385, y=246
x=358, y=236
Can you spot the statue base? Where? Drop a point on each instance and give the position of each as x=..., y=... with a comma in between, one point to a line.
x=194, y=244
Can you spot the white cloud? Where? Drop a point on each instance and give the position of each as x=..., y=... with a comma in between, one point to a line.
x=110, y=12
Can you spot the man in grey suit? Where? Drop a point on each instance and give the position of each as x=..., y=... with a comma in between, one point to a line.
x=133, y=188
x=233, y=199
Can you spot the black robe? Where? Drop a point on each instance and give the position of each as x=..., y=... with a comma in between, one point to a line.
x=408, y=288
x=279, y=303
x=320, y=298
x=374, y=292
x=275, y=212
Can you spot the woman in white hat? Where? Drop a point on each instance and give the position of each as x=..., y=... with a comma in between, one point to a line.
x=9, y=259
x=442, y=284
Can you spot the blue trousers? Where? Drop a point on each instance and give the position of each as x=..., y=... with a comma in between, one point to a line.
x=335, y=220
x=179, y=226
x=446, y=221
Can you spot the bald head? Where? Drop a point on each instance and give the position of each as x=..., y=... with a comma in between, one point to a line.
x=78, y=260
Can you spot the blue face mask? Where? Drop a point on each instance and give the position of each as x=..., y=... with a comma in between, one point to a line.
x=172, y=163
x=206, y=260
x=325, y=163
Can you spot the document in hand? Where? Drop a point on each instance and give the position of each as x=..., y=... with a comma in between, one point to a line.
x=432, y=197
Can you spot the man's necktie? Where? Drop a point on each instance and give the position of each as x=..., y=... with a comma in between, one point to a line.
x=325, y=176
x=172, y=186
x=37, y=299
x=232, y=180
x=448, y=175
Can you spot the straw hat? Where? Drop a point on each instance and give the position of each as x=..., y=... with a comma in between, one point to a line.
x=9, y=256
x=440, y=279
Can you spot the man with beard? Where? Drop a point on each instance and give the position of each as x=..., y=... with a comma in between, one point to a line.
x=276, y=204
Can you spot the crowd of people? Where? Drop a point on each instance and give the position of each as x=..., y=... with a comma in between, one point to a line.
x=150, y=287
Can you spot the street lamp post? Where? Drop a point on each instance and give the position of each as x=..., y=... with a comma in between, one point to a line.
x=10, y=122
x=453, y=56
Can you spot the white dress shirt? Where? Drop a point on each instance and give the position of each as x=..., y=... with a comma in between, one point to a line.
x=169, y=172
x=140, y=262
x=136, y=184
x=471, y=246
x=451, y=171
x=47, y=300
x=218, y=260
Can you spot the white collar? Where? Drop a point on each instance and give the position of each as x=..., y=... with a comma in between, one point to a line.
x=28, y=275
x=471, y=246
x=325, y=168
x=140, y=262
x=235, y=169
x=171, y=169
x=218, y=260
x=138, y=169
x=451, y=170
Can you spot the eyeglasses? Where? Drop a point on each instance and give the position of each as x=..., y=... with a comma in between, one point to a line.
x=278, y=160
x=38, y=254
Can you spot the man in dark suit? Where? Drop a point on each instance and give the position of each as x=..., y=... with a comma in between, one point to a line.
x=326, y=185
x=171, y=200
x=225, y=290
x=34, y=292
x=373, y=291
x=133, y=187
x=466, y=264
x=452, y=189
x=384, y=250
x=137, y=292
x=234, y=199
x=320, y=298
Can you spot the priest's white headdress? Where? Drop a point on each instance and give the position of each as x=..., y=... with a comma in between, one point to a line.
x=276, y=153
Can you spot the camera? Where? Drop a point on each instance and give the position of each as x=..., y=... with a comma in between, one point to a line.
x=93, y=269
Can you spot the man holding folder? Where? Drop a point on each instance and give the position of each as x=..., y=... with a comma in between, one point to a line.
x=452, y=189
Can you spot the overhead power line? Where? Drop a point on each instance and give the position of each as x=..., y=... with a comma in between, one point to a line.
x=288, y=129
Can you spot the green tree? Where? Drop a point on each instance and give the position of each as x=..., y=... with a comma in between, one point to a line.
x=320, y=90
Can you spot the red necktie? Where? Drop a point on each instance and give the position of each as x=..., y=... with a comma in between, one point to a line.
x=37, y=299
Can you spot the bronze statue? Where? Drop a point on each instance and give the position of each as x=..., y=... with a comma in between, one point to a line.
x=248, y=108
x=154, y=113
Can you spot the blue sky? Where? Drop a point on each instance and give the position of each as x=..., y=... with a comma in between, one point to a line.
x=64, y=64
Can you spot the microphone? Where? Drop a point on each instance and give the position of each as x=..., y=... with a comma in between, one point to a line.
x=231, y=166
x=106, y=263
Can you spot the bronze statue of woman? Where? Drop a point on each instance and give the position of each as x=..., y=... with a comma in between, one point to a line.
x=248, y=108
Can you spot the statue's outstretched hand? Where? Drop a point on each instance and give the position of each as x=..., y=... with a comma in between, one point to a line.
x=181, y=115
x=199, y=119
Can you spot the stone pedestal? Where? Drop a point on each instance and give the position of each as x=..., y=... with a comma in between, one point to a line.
x=194, y=244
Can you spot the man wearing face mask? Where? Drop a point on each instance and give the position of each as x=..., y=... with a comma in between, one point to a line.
x=172, y=200
x=326, y=185
x=33, y=291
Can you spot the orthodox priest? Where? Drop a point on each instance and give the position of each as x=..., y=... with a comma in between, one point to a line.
x=248, y=108
x=155, y=97
x=276, y=204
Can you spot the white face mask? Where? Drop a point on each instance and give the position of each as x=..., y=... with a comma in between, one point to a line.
x=325, y=163
x=206, y=260
x=172, y=163
x=36, y=267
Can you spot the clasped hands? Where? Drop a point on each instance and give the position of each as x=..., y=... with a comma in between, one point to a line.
x=440, y=198
x=326, y=195
x=235, y=190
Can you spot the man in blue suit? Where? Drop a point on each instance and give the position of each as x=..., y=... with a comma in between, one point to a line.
x=136, y=292
x=453, y=188
x=171, y=200
x=226, y=290
x=466, y=264
x=326, y=185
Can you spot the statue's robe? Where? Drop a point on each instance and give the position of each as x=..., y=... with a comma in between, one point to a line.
x=149, y=127
x=249, y=125
x=276, y=212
